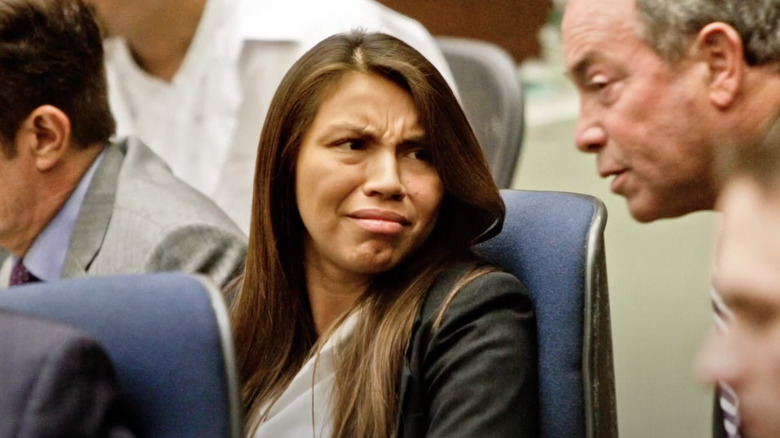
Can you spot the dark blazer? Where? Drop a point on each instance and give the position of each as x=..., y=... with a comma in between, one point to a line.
x=138, y=217
x=476, y=375
x=55, y=381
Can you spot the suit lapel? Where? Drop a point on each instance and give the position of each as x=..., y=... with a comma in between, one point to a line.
x=5, y=268
x=94, y=215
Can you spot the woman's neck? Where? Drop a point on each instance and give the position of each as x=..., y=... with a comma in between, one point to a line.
x=332, y=294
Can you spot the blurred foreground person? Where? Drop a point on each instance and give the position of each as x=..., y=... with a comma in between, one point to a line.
x=744, y=351
x=363, y=311
x=71, y=202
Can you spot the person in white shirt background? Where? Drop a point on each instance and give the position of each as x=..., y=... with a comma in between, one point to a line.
x=193, y=78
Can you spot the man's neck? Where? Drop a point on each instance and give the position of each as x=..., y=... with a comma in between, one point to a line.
x=761, y=102
x=51, y=192
x=162, y=46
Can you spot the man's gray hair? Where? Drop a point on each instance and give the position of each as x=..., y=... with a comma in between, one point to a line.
x=669, y=25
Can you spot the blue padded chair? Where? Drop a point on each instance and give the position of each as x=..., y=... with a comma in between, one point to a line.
x=492, y=97
x=554, y=243
x=169, y=339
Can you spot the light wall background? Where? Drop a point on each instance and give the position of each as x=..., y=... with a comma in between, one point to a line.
x=658, y=279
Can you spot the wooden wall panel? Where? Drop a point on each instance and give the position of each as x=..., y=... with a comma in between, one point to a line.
x=512, y=24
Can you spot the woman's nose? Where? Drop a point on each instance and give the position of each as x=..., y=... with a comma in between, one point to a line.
x=383, y=176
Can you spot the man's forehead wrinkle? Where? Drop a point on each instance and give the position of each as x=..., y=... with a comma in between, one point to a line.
x=596, y=48
x=602, y=18
x=587, y=32
x=603, y=14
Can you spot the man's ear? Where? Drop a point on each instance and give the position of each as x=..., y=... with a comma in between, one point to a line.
x=46, y=134
x=720, y=46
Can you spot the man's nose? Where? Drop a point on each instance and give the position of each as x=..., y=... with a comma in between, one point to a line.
x=590, y=136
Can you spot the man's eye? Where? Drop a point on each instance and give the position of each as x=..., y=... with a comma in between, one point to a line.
x=598, y=82
x=605, y=88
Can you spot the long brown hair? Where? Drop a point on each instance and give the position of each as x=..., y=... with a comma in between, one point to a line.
x=271, y=318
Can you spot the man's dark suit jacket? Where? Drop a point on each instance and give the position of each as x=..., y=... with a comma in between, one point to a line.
x=474, y=376
x=55, y=381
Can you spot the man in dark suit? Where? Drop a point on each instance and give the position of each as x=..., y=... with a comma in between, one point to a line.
x=72, y=203
x=55, y=381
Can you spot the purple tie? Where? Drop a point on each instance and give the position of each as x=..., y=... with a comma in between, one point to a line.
x=20, y=275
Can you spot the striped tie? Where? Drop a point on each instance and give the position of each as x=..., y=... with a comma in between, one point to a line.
x=20, y=275
x=730, y=406
x=729, y=403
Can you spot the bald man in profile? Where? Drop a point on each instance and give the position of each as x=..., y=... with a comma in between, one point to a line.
x=663, y=84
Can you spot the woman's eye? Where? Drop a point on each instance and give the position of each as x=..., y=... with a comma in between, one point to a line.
x=421, y=154
x=353, y=144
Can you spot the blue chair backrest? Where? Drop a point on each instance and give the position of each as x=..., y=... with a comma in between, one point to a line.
x=168, y=337
x=553, y=242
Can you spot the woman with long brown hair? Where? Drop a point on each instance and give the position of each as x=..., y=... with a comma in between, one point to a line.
x=362, y=311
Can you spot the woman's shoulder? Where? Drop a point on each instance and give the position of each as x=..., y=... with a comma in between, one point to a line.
x=474, y=286
x=474, y=274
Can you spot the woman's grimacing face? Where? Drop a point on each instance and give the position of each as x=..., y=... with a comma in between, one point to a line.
x=365, y=188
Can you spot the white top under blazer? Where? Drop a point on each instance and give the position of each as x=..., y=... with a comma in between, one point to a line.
x=303, y=410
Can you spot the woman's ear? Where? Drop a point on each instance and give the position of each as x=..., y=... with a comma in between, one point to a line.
x=720, y=46
x=46, y=132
